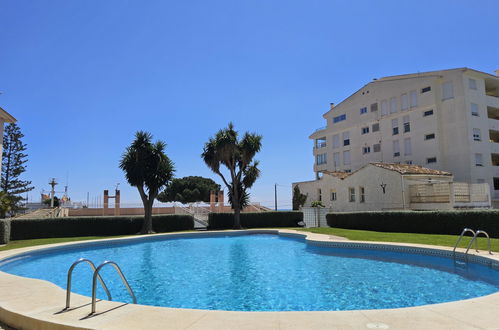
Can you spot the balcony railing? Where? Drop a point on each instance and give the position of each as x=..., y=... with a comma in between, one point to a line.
x=320, y=145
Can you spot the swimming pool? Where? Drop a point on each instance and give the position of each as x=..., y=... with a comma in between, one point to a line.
x=262, y=272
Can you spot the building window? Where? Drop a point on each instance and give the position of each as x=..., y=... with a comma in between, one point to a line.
x=384, y=108
x=375, y=127
x=346, y=157
x=365, y=130
x=333, y=194
x=376, y=147
x=426, y=89
x=374, y=107
x=339, y=118
x=477, y=136
x=336, y=159
x=366, y=150
x=348, y=171
x=428, y=113
x=414, y=99
x=429, y=136
x=396, y=148
x=351, y=195
x=319, y=194
x=320, y=143
x=447, y=90
x=407, y=147
x=346, y=138
x=393, y=105
x=431, y=160
x=474, y=109
x=395, y=126
x=408, y=162
x=404, y=100
x=478, y=160
x=362, y=195
x=363, y=110
x=321, y=159
x=472, y=83
x=336, y=141
x=407, y=124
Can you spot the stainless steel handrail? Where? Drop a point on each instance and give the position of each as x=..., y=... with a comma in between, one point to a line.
x=70, y=276
x=465, y=230
x=478, y=232
x=123, y=279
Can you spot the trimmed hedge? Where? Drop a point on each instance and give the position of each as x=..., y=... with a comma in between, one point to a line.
x=422, y=222
x=95, y=226
x=255, y=220
x=4, y=231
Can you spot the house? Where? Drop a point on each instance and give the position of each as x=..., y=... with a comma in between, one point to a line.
x=445, y=120
x=390, y=186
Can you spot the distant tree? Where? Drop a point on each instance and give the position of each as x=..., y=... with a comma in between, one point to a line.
x=5, y=204
x=57, y=201
x=148, y=168
x=316, y=204
x=237, y=156
x=299, y=199
x=14, y=161
x=189, y=189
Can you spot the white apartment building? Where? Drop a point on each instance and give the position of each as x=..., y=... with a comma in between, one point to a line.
x=445, y=120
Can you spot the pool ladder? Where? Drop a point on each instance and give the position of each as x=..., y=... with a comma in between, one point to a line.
x=474, y=239
x=96, y=276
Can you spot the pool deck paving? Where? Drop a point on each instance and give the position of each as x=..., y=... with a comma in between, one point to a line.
x=36, y=304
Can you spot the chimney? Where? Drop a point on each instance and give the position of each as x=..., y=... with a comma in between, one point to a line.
x=497, y=73
x=331, y=106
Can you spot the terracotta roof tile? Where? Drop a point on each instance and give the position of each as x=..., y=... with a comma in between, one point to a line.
x=339, y=175
x=410, y=169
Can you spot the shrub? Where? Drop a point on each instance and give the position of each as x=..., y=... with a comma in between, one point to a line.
x=423, y=222
x=4, y=231
x=255, y=220
x=95, y=226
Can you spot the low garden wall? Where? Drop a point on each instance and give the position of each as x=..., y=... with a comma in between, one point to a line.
x=89, y=226
x=422, y=222
x=255, y=220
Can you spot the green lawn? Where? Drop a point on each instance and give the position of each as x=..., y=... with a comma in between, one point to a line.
x=443, y=240
x=43, y=241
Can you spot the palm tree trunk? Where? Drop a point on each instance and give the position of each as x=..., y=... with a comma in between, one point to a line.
x=147, y=226
x=237, y=217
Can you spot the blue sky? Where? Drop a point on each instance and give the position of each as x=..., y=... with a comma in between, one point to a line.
x=82, y=76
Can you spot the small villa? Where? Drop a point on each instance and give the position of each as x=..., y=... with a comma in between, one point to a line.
x=390, y=186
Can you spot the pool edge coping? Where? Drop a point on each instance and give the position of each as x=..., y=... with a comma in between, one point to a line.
x=13, y=312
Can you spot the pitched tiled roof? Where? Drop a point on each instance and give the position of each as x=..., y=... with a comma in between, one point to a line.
x=410, y=169
x=339, y=175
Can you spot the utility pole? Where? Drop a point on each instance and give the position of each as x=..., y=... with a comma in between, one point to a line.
x=52, y=183
x=275, y=196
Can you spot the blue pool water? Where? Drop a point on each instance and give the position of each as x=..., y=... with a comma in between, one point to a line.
x=262, y=273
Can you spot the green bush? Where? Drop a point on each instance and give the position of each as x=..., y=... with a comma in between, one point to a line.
x=95, y=226
x=255, y=220
x=421, y=222
x=4, y=231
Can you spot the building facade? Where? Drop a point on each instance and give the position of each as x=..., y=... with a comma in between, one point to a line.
x=385, y=186
x=444, y=120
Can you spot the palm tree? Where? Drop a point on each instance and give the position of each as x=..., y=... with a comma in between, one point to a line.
x=237, y=156
x=148, y=168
